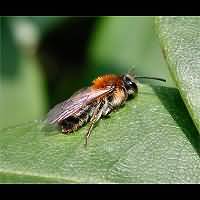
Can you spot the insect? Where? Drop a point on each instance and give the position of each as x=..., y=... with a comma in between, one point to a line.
x=89, y=104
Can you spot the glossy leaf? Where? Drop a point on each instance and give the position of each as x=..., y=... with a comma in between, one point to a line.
x=151, y=139
x=180, y=39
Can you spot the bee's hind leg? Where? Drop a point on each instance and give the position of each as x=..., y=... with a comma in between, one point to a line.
x=65, y=131
x=69, y=125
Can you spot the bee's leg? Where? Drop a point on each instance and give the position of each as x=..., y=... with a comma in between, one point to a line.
x=107, y=109
x=64, y=130
x=69, y=125
x=95, y=117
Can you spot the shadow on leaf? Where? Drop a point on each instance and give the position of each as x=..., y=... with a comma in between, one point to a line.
x=176, y=107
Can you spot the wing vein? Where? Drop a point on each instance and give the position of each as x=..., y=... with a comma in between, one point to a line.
x=80, y=99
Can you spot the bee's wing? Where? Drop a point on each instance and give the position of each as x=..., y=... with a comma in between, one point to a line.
x=66, y=108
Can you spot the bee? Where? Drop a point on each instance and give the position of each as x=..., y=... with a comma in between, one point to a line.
x=89, y=104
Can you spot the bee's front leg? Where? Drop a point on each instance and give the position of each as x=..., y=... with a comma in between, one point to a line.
x=98, y=112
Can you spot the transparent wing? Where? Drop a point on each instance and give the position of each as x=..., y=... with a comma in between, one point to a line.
x=66, y=108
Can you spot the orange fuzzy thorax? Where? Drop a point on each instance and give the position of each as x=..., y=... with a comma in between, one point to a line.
x=106, y=80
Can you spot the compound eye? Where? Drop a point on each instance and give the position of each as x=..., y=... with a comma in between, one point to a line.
x=128, y=81
x=130, y=85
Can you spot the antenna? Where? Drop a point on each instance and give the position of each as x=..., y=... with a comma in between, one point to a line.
x=148, y=77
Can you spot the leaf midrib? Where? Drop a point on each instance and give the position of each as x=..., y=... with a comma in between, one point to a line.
x=43, y=176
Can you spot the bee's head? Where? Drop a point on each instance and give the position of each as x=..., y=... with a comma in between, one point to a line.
x=129, y=84
x=130, y=81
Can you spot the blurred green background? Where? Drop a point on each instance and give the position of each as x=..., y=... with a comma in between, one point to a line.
x=45, y=59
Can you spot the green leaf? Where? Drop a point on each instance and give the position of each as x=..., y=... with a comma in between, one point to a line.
x=180, y=39
x=151, y=139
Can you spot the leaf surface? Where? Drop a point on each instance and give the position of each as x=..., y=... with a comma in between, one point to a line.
x=180, y=40
x=151, y=139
